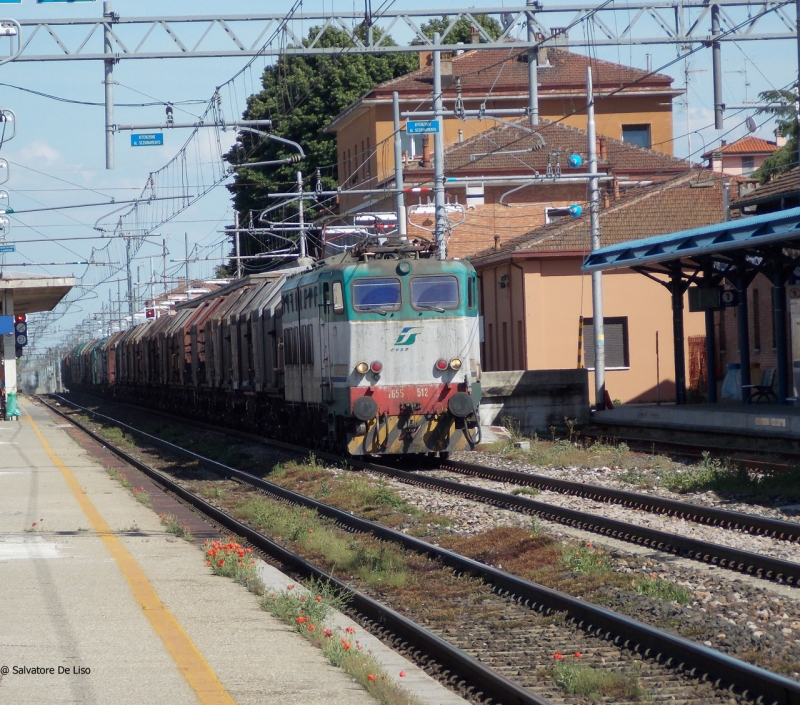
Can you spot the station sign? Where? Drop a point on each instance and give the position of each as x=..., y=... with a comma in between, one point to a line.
x=150, y=139
x=704, y=298
x=8, y=248
x=422, y=127
x=729, y=298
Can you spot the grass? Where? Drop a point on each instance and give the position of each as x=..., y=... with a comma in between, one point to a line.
x=579, y=679
x=175, y=527
x=141, y=495
x=586, y=559
x=528, y=491
x=661, y=589
x=309, y=613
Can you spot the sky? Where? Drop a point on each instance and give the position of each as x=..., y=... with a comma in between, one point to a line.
x=57, y=156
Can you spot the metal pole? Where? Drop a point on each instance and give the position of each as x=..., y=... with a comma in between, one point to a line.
x=677, y=290
x=779, y=312
x=597, y=277
x=438, y=154
x=236, y=240
x=399, y=198
x=716, y=62
x=711, y=357
x=533, y=60
x=164, y=264
x=129, y=276
x=797, y=93
x=301, y=215
x=744, y=332
x=186, y=244
x=109, y=84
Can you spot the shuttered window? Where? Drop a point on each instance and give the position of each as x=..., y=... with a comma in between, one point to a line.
x=616, y=337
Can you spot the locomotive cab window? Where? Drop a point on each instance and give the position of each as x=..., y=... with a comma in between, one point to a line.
x=376, y=294
x=438, y=293
x=338, y=298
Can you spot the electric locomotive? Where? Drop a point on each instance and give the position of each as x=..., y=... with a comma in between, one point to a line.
x=373, y=351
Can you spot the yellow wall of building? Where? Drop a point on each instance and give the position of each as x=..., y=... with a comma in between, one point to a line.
x=555, y=295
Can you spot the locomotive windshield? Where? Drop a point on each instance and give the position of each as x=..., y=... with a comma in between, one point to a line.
x=376, y=295
x=434, y=293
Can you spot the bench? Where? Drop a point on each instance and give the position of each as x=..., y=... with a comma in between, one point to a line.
x=762, y=391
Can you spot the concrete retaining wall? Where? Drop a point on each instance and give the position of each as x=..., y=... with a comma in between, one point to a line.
x=537, y=399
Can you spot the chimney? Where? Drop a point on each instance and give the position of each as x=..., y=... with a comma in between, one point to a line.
x=474, y=37
x=602, y=149
x=447, y=64
x=606, y=200
x=426, y=151
x=615, y=183
x=780, y=139
x=722, y=143
x=426, y=59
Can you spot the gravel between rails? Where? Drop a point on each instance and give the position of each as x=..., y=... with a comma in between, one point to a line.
x=514, y=640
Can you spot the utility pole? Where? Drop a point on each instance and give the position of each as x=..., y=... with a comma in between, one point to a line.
x=716, y=65
x=164, y=264
x=186, y=244
x=533, y=61
x=301, y=216
x=597, y=277
x=399, y=197
x=108, y=50
x=440, y=210
x=238, y=251
x=129, y=275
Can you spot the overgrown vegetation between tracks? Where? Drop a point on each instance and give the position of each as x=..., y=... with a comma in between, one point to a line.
x=597, y=684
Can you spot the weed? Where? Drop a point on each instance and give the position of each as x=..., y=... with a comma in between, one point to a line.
x=579, y=679
x=514, y=428
x=132, y=529
x=141, y=495
x=232, y=560
x=530, y=491
x=175, y=527
x=586, y=559
x=661, y=589
x=537, y=528
x=213, y=493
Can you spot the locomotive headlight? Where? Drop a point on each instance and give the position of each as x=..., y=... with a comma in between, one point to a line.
x=455, y=364
x=441, y=365
x=362, y=368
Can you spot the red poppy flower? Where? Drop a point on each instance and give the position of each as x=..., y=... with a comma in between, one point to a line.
x=311, y=627
x=370, y=677
x=327, y=632
x=346, y=645
x=290, y=586
x=557, y=656
x=302, y=620
x=208, y=562
x=319, y=598
x=402, y=674
x=577, y=654
x=220, y=563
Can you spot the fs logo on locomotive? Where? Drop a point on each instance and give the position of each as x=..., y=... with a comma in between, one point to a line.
x=407, y=337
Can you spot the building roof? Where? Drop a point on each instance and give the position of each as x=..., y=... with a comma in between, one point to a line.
x=679, y=204
x=496, y=73
x=745, y=146
x=787, y=184
x=508, y=150
x=744, y=236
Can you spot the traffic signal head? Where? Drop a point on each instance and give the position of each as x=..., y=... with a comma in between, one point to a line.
x=20, y=317
x=150, y=313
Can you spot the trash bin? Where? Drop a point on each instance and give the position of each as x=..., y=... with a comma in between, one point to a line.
x=731, y=385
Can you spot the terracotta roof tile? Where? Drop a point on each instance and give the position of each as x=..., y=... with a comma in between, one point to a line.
x=785, y=184
x=746, y=145
x=657, y=210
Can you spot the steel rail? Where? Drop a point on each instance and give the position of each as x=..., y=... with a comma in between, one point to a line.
x=482, y=679
x=765, y=526
x=676, y=652
x=723, y=556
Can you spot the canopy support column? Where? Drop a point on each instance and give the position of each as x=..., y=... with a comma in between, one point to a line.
x=744, y=332
x=781, y=337
x=677, y=288
x=711, y=345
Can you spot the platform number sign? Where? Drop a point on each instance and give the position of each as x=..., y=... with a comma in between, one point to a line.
x=729, y=298
x=20, y=330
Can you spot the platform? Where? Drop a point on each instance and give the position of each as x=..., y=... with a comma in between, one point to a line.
x=98, y=604
x=757, y=420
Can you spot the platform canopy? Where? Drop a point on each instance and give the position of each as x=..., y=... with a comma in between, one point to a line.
x=719, y=244
x=32, y=293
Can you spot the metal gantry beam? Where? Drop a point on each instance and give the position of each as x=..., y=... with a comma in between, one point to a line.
x=657, y=22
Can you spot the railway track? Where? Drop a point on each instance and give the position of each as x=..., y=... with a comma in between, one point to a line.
x=656, y=647
x=766, y=567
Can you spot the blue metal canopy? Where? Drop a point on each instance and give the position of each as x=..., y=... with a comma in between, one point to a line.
x=747, y=235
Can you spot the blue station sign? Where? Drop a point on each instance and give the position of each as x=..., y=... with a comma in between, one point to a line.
x=149, y=139
x=8, y=248
x=422, y=127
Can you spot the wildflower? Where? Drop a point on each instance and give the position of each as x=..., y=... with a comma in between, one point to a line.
x=653, y=575
x=220, y=563
x=402, y=674
x=302, y=598
x=208, y=562
x=346, y=645
x=577, y=654
x=290, y=586
x=557, y=656
x=350, y=630
x=319, y=598
x=34, y=524
x=311, y=627
x=327, y=632
x=311, y=531
x=588, y=544
x=370, y=677
x=302, y=620
x=161, y=516
x=248, y=550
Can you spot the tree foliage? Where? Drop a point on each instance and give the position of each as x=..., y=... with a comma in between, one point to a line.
x=462, y=30
x=785, y=158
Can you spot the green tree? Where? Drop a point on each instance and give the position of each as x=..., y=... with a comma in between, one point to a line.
x=785, y=158
x=301, y=95
x=462, y=30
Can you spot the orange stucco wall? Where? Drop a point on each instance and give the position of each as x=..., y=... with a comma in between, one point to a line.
x=532, y=322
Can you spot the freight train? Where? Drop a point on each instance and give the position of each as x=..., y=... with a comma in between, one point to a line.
x=373, y=351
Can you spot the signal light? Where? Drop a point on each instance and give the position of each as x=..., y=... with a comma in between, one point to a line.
x=20, y=318
x=150, y=313
x=441, y=365
x=376, y=366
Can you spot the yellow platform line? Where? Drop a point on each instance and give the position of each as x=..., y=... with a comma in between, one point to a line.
x=198, y=673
